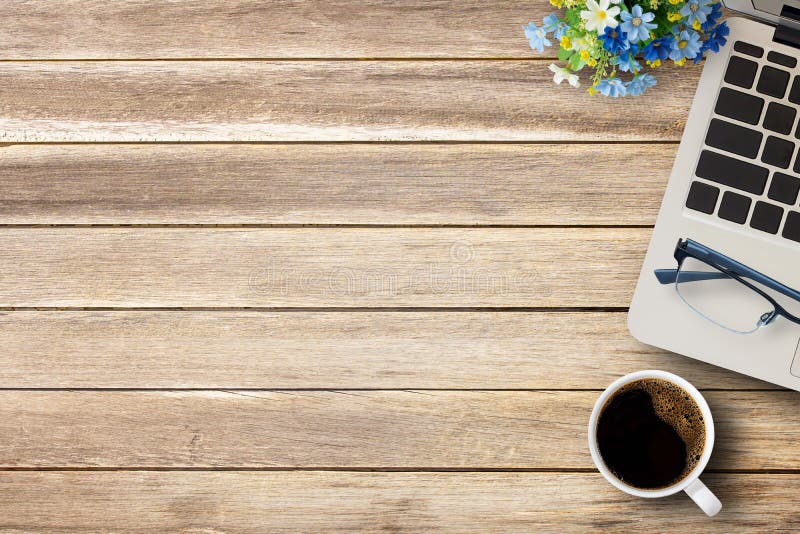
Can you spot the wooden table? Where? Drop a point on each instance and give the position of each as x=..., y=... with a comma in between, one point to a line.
x=332, y=265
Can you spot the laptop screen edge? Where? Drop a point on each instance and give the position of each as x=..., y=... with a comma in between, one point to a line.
x=765, y=10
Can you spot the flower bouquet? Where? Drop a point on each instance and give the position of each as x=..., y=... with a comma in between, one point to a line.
x=616, y=36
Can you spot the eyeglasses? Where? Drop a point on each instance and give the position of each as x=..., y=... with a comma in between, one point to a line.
x=726, y=292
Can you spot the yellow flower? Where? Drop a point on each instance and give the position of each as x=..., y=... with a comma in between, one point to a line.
x=675, y=2
x=681, y=62
x=585, y=55
x=566, y=44
x=674, y=17
x=696, y=24
x=591, y=62
x=592, y=91
x=557, y=3
x=654, y=64
x=653, y=4
x=579, y=43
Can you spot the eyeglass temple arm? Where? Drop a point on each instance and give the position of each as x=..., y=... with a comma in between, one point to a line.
x=669, y=276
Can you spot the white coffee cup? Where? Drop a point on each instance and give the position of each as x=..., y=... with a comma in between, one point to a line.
x=691, y=484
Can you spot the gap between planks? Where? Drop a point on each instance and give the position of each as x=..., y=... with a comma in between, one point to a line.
x=309, y=225
x=343, y=309
x=238, y=390
x=400, y=142
x=245, y=469
x=275, y=59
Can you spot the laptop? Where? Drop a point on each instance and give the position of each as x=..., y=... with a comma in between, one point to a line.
x=721, y=277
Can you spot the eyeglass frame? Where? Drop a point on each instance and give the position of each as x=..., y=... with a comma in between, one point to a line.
x=728, y=268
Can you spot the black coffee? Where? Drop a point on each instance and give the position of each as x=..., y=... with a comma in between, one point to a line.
x=651, y=433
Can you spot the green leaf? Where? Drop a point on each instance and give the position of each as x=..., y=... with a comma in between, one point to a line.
x=575, y=62
x=573, y=17
x=564, y=55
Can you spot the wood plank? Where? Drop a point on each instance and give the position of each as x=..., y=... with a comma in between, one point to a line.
x=378, y=502
x=374, y=429
x=362, y=184
x=40, y=29
x=324, y=101
x=273, y=350
x=441, y=267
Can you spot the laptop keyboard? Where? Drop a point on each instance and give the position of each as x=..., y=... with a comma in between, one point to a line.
x=748, y=172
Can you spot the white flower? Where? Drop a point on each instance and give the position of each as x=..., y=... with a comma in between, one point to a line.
x=599, y=16
x=560, y=74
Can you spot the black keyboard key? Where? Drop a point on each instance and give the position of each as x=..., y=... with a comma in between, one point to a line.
x=741, y=72
x=732, y=172
x=773, y=82
x=779, y=118
x=791, y=230
x=734, y=207
x=794, y=94
x=733, y=138
x=782, y=59
x=766, y=217
x=702, y=197
x=740, y=106
x=749, y=49
x=784, y=188
x=778, y=152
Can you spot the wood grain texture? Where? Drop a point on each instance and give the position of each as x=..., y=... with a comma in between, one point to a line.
x=324, y=101
x=92, y=29
x=173, y=349
x=441, y=267
x=379, y=502
x=235, y=389
x=375, y=429
x=332, y=184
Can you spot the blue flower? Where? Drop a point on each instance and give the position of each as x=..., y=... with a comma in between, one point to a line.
x=614, y=40
x=717, y=38
x=611, y=87
x=626, y=62
x=551, y=24
x=687, y=45
x=658, y=49
x=713, y=17
x=537, y=37
x=637, y=24
x=640, y=83
x=696, y=10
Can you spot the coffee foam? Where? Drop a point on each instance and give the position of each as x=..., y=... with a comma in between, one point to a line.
x=677, y=408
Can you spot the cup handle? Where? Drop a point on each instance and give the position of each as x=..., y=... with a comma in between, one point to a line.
x=703, y=497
